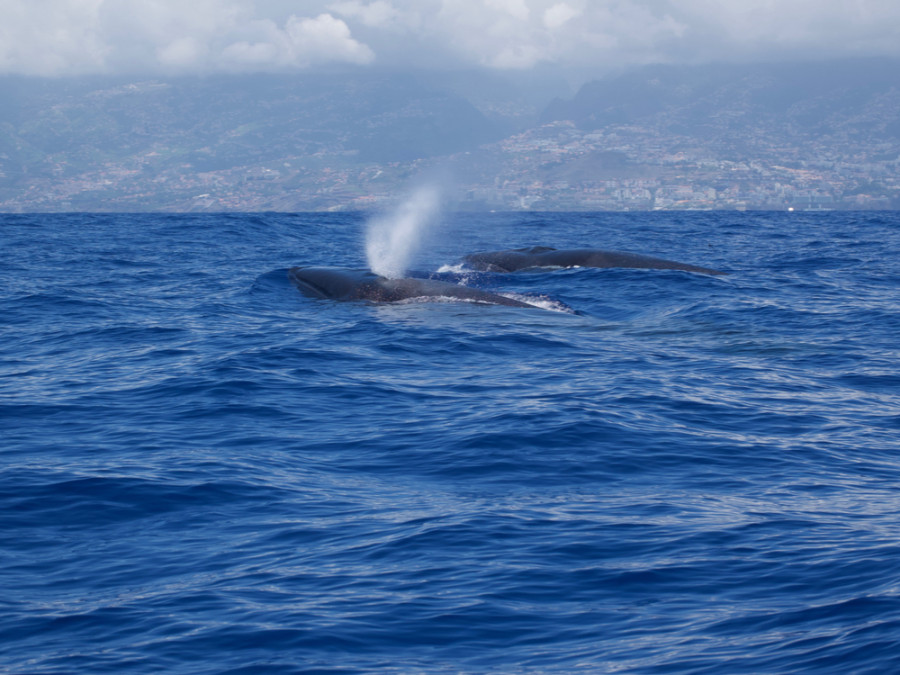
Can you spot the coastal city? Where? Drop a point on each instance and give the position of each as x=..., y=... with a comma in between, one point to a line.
x=147, y=152
x=634, y=168
x=552, y=167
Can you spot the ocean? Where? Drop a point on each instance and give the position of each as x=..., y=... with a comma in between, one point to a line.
x=655, y=471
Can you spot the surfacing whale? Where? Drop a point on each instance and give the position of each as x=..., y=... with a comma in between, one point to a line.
x=338, y=283
x=516, y=259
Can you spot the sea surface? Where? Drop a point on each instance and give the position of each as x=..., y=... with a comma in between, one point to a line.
x=656, y=471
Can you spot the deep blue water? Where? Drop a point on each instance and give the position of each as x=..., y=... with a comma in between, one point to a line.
x=204, y=471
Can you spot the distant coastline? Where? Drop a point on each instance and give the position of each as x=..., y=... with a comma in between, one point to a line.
x=773, y=137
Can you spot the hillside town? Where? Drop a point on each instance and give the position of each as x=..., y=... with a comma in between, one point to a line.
x=156, y=146
x=560, y=167
x=551, y=167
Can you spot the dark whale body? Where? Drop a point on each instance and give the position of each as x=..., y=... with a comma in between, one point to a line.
x=516, y=259
x=338, y=283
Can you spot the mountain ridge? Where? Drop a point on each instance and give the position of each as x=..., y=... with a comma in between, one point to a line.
x=768, y=135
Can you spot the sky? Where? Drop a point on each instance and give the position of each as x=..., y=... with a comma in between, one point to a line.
x=52, y=38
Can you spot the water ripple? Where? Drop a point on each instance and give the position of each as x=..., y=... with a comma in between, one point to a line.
x=205, y=472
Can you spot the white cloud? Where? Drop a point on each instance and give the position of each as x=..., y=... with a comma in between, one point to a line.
x=303, y=42
x=63, y=37
x=58, y=37
x=517, y=57
x=51, y=37
x=181, y=53
x=515, y=8
x=324, y=39
x=559, y=14
x=378, y=14
x=245, y=55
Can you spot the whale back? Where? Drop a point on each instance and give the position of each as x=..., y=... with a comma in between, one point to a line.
x=411, y=288
x=506, y=261
x=516, y=259
x=332, y=283
x=335, y=283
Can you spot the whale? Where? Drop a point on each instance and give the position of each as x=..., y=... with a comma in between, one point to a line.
x=343, y=284
x=513, y=260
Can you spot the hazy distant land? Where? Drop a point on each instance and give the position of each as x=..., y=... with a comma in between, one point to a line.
x=814, y=136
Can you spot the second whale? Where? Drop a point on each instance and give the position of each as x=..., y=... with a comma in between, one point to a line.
x=513, y=260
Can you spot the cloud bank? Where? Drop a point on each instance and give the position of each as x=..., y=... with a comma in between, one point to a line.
x=66, y=37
